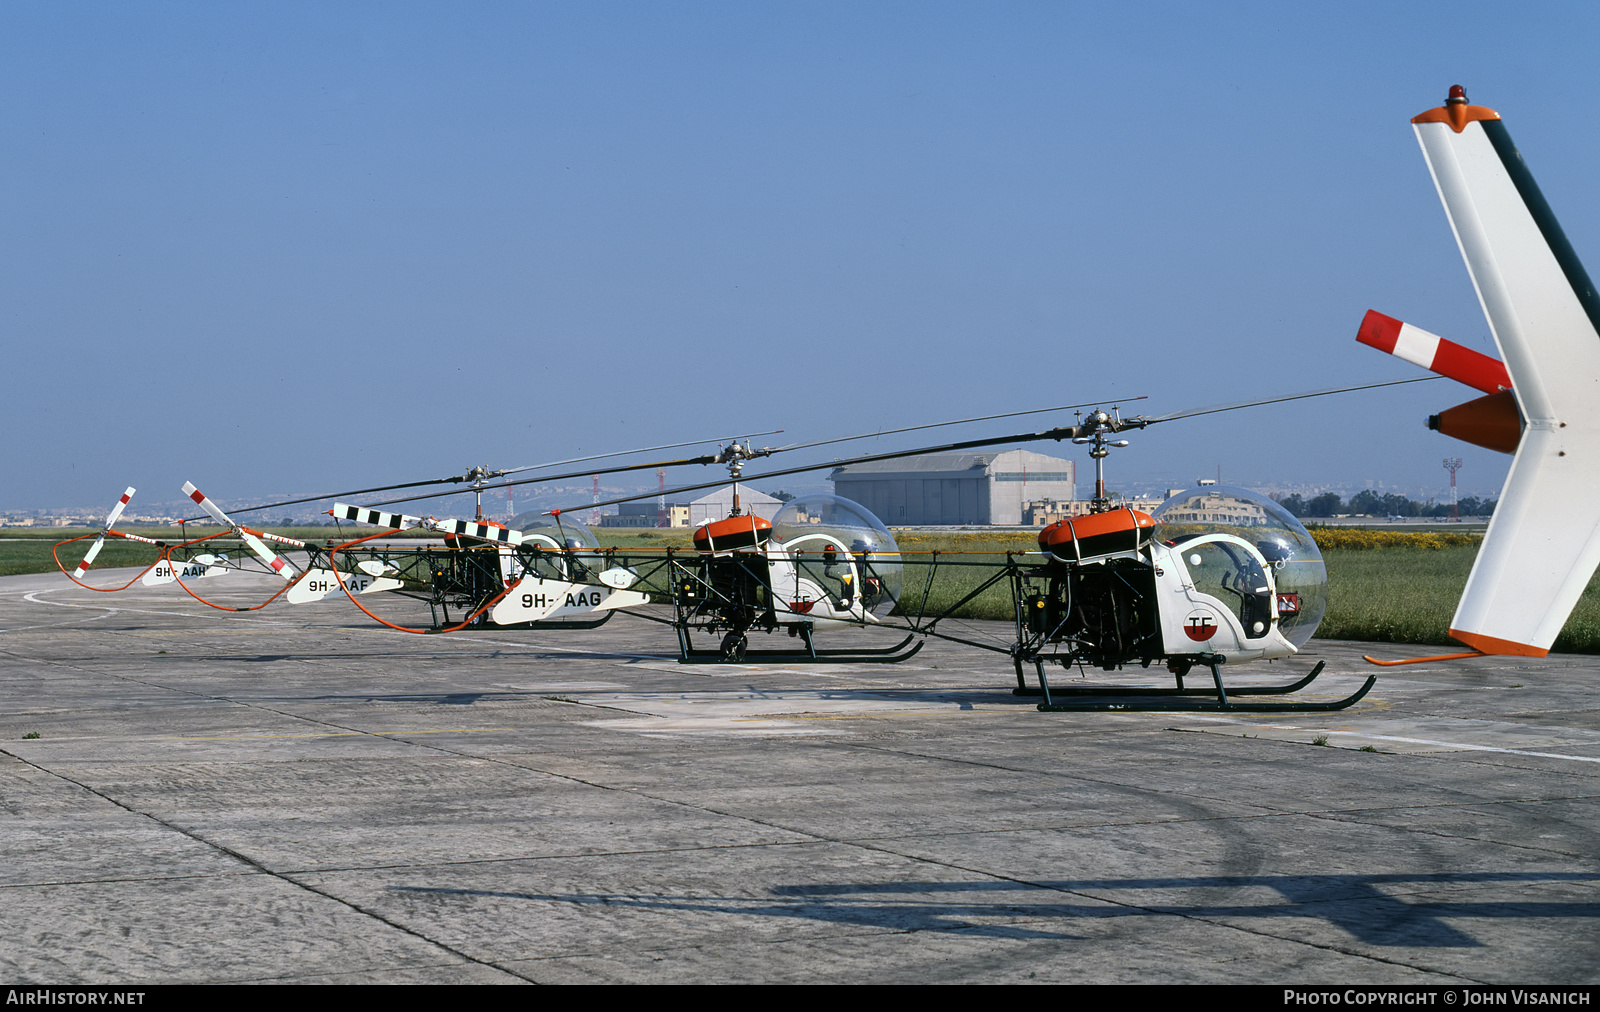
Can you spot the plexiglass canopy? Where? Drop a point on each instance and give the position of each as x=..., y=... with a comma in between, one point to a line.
x=822, y=525
x=1298, y=571
x=561, y=532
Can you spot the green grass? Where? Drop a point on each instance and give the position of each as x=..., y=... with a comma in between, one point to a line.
x=28, y=550
x=18, y=557
x=626, y=538
x=954, y=573
x=175, y=535
x=1394, y=595
x=1409, y=596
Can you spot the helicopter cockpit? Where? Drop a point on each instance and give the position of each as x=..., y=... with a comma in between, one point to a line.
x=567, y=548
x=1247, y=552
x=845, y=558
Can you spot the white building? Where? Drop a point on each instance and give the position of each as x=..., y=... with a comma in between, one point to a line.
x=717, y=504
x=956, y=488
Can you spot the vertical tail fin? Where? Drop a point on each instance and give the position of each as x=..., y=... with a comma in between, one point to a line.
x=1544, y=542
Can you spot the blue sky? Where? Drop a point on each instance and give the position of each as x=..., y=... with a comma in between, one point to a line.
x=319, y=246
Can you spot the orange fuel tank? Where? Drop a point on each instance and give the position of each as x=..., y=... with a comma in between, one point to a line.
x=1095, y=535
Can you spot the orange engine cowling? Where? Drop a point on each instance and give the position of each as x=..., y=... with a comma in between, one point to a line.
x=1492, y=422
x=1115, y=532
x=749, y=531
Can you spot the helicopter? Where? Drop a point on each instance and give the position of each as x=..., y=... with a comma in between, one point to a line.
x=822, y=562
x=451, y=577
x=1217, y=575
x=1538, y=404
x=545, y=573
x=1224, y=576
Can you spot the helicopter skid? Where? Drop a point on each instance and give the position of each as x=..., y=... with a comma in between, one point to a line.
x=558, y=623
x=811, y=655
x=1117, y=690
x=1104, y=698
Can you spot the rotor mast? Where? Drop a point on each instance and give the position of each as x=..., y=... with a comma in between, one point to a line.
x=479, y=476
x=1092, y=431
x=734, y=455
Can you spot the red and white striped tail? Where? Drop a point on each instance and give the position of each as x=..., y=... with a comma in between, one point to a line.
x=1433, y=353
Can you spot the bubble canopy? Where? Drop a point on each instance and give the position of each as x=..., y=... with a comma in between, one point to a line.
x=822, y=523
x=561, y=533
x=848, y=522
x=1298, y=571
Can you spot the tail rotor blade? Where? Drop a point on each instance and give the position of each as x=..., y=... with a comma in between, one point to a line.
x=274, y=561
x=1434, y=353
x=111, y=521
x=88, y=557
x=374, y=518
x=116, y=511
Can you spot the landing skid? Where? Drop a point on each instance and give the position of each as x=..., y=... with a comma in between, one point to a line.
x=1115, y=690
x=587, y=623
x=736, y=653
x=1182, y=700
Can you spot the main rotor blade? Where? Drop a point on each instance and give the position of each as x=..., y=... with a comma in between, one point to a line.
x=958, y=421
x=1065, y=432
x=710, y=459
x=277, y=563
x=1192, y=413
x=642, y=449
x=111, y=521
x=458, y=479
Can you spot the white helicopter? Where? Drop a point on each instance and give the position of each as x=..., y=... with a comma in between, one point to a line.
x=542, y=573
x=821, y=562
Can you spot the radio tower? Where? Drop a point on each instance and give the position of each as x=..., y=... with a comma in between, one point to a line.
x=1453, y=464
x=662, y=520
x=594, y=518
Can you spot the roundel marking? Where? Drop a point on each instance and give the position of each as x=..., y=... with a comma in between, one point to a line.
x=1200, y=626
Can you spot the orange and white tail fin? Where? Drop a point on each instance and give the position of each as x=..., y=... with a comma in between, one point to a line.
x=1543, y=544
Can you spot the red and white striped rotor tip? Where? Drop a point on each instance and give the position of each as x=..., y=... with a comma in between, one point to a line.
x=111, y=521
x=274, y=561
x=1434, y=353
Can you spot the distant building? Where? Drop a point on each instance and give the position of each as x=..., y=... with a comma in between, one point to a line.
x=956, y=488
x=1044, y=512
x=715, y=506
x=1203, y=507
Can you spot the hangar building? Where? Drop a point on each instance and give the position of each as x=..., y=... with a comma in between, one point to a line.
x=955, y=488
x=709, y=507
